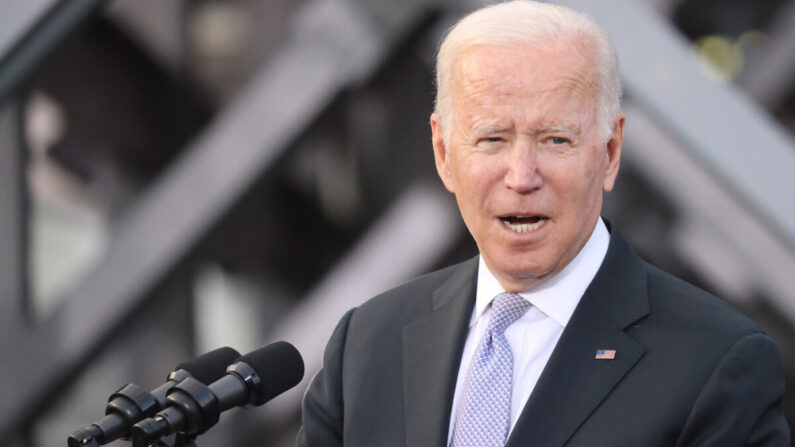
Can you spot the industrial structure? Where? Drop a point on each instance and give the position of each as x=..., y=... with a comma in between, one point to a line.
x=181, y=175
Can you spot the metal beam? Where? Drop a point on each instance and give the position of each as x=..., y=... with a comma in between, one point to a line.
x=18, y=17
x=725, y=163
x=733, y=138
x=407, y=240
x=716, y=234
x=332, y=46
x=35, y=28
x=663, y=7
x=156, y=26
x=767, y=76
x=13, y=231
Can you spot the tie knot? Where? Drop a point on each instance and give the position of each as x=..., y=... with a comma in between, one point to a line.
x=507, y=308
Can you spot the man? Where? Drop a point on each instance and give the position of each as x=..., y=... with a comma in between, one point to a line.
x=557, y=333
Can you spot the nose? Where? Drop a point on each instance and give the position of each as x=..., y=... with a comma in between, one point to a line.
x=522, y=173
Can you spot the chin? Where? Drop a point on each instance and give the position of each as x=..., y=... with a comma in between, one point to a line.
x=522, y=276
x=524, y=264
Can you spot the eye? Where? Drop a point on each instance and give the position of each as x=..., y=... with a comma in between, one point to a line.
x=559, y=140
x=491, y=140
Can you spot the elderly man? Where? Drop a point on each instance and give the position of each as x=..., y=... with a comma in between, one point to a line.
x=557, y=333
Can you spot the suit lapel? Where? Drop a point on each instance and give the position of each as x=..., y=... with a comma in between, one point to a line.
x=431, y=366
x=573, y=382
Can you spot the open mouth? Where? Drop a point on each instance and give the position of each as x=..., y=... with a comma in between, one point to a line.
x=523, y=224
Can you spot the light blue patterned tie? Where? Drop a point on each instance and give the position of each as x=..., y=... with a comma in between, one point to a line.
x=484, y=410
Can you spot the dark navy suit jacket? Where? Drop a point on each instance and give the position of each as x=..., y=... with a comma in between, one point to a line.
x=689, y=370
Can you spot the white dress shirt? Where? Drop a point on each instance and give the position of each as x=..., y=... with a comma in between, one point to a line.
x=534, y=335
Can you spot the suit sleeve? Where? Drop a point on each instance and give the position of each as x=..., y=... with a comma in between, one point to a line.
x=322, y=407
x=740, y=404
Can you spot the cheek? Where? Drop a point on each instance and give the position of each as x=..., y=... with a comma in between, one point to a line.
x=576, y=183
x=473, y=170
x=475, y=177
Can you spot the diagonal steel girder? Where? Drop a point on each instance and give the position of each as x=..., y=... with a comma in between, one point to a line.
x=332, y=46
x=13, y=234
x=745, y=148
x=418, y=228
x=767, y=75
x=30, y=30
x=18, y=17
x=734, y=172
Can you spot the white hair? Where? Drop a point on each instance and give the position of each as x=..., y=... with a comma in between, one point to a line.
x=527, y=22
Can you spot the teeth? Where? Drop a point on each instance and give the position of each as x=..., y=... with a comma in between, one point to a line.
x=524, y=227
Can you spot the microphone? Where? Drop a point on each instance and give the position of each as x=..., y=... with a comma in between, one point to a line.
x=132, y=403
x=192, y=408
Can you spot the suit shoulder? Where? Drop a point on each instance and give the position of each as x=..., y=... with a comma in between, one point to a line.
x=692, y=306
x=385, y=316
x=413, y=295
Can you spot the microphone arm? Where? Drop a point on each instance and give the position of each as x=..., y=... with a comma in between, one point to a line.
x=192, y=407
x=132, y=403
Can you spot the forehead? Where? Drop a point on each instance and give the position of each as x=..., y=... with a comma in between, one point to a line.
x=523, y=71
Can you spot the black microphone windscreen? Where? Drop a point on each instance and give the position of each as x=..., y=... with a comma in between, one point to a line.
x=207, y=368
x=279, y=367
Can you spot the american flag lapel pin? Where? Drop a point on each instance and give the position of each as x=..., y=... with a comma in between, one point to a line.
x=605, y=354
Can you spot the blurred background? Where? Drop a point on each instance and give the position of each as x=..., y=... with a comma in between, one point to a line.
x=179, y=175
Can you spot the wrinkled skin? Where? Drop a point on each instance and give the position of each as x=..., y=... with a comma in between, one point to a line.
x=525, y=141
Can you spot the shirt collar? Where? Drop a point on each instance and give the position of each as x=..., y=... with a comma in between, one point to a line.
x=558, y=296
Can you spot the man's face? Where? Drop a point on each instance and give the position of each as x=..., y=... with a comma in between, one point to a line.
x=525, y=158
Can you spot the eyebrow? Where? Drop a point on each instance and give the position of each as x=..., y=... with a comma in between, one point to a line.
x=488, y=129
x=575, y=130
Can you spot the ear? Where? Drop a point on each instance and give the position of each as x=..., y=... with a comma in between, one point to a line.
x=440, y=153
x=614, y=153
